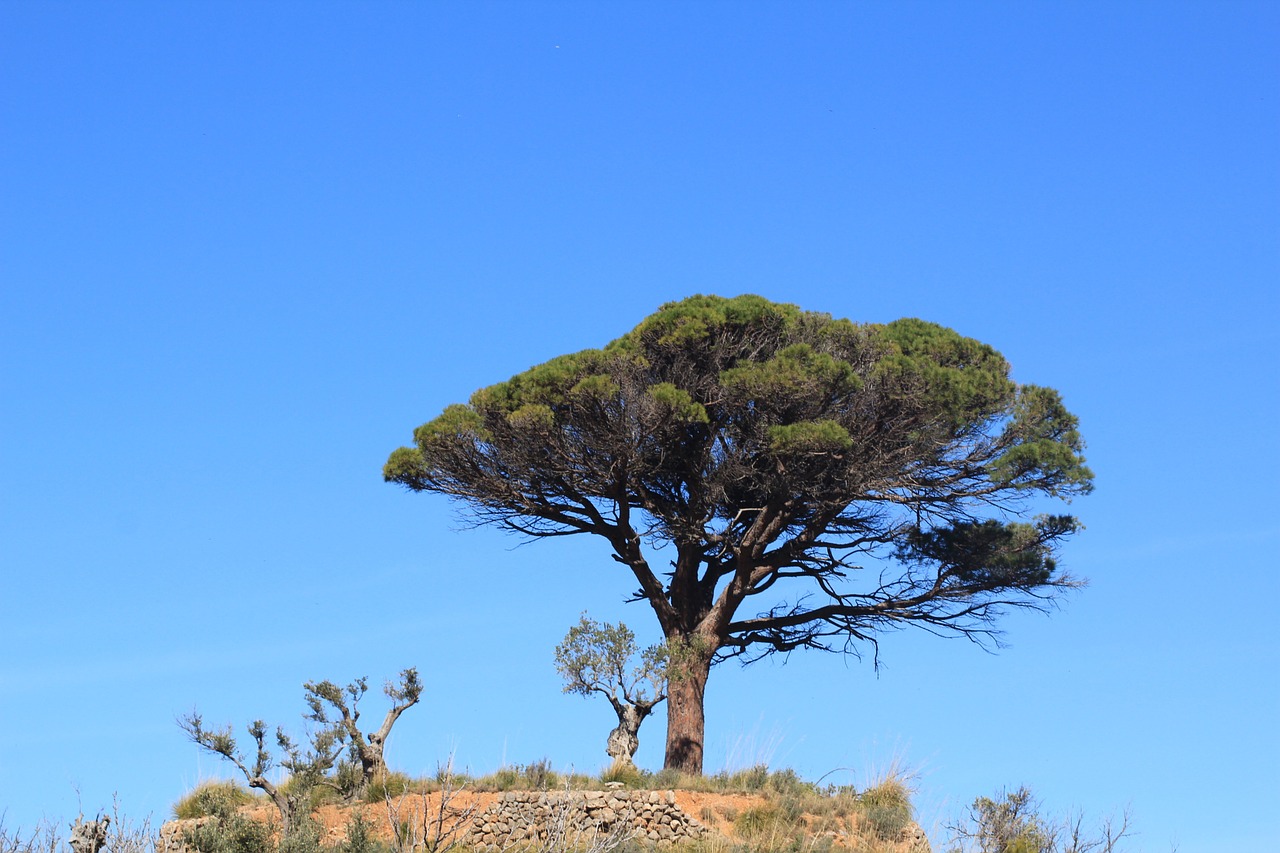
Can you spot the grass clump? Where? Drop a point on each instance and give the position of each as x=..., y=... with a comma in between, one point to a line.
x=671, y=780
x=535, y=776
x=629, y=775
x=756, y=821
x=211, y=798
x=750, y=780
x=886, y=807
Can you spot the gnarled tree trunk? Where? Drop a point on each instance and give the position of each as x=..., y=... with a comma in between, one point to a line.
x=625, y=739
x=87, y=836
x=372, y=763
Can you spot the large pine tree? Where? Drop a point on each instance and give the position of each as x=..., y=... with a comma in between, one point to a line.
x=815, y=482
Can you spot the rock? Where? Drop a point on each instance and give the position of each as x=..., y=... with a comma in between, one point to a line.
x=916, y=839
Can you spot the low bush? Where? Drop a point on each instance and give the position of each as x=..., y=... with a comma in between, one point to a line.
x=308, y=794
x=360, y=838
x=788, y=782
x=230, y=832
x=305, y=838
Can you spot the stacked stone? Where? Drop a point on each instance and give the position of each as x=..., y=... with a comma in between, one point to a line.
x=528, y=816
x=172, y=832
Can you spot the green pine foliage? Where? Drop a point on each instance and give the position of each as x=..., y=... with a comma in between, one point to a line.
x=762, y=441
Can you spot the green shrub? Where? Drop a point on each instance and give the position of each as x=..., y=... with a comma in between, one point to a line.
x=360, y=838
x=348, y=778
x=1013, y=824
x=309, y=795
x=230, y=833
x=788, y=782
x=211, y=798
x=304, y=837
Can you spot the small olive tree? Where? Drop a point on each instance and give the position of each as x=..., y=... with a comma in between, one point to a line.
x=307, y=767
x=596, y=657
x=312, y=765
x=338, y=708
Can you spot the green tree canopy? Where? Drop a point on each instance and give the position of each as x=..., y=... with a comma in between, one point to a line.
x=849, y=478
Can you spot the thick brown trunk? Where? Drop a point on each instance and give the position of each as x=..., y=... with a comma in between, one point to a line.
x=686, y=717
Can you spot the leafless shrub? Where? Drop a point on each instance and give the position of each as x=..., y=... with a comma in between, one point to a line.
x=122, y=835
x=1071, y=837
x=45, y=838
x=127, y=836
x=1013, y=823
x=430, y=828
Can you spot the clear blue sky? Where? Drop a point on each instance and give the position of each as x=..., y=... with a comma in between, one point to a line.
x=245, y=248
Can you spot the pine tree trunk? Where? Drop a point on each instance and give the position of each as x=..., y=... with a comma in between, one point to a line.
x=686, y=717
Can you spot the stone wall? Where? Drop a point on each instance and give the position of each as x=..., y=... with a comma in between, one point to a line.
x=580, y=816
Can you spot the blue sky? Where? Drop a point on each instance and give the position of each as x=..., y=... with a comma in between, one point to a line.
x=246, y=248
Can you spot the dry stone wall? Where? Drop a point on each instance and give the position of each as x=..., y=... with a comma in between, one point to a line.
x=581, y=816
